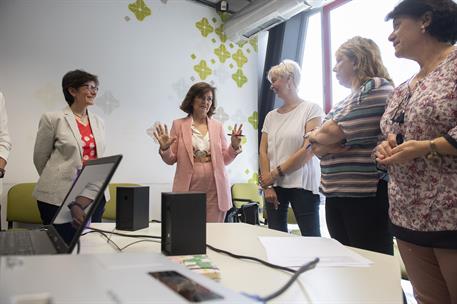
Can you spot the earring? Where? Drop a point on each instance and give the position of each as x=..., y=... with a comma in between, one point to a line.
x=423, y=29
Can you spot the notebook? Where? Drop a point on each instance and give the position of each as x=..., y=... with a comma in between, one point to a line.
x=72, y=217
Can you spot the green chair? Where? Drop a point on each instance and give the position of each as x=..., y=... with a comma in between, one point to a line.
x=21, y=205
x=110, y=207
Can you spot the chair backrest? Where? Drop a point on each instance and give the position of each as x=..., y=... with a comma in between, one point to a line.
x=242, y=192
x=110, y=207
x=21, y=205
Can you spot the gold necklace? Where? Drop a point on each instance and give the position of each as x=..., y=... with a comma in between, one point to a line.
x=80, y=116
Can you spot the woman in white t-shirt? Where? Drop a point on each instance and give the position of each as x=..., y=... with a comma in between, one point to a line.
x=290, y=173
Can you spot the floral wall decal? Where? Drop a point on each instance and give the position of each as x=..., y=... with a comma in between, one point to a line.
x=240, y=78
x=140, y=9
x=202, y=70
x=222, y=53
x=204, y=27
x=254, y=120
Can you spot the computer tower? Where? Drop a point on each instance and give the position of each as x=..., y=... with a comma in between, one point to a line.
x=132, y=208
x=183, y=223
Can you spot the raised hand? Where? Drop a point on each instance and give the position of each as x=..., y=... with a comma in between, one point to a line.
x=236, y=136
x=163, y=137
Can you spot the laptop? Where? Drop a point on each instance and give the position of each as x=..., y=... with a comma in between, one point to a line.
x=74, y=214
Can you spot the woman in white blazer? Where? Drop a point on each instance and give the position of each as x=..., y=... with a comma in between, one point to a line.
x=65, y=140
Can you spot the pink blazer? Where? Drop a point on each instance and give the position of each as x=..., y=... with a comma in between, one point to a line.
x=181, y=152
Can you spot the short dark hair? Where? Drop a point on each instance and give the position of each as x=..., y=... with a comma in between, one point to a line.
x=75, y=79
x=198, y=90
x=444, y=16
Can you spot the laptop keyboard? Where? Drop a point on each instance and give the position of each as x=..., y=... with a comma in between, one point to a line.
x=16, y=242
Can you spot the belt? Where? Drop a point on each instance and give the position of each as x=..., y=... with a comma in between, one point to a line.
x=204, y=159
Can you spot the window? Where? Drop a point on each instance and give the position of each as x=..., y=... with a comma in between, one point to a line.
x=367, y=21
x=311, y=82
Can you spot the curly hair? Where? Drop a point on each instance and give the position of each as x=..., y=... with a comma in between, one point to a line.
x=198, y=90
x=366, y=57
x=444, y=16
x=75, y=79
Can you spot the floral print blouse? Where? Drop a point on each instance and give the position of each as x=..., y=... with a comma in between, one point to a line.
x=423, y=192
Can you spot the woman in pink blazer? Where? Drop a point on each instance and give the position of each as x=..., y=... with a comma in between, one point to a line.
x=197, y=144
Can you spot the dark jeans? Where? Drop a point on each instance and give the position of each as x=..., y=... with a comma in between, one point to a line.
x=48, y=211
x=361, y=222
x=305, y=205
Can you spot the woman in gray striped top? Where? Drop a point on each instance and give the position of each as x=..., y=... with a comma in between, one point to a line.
x=356, y=195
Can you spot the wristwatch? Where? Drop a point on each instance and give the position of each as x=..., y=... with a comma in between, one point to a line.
x=2, y=172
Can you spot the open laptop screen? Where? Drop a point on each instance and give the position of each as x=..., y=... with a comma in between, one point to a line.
x=83, y=198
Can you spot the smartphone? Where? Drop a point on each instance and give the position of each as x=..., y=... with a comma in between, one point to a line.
x=185, y=287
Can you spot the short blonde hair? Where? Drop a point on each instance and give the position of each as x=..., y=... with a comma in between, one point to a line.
x=366, y=57
x=286, y=68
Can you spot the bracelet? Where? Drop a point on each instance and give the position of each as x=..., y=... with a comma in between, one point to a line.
x=279, y=171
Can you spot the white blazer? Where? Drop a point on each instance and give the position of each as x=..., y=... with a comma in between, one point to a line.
x=58, y=153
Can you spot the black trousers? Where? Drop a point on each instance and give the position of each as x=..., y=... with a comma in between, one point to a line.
x=305, y=205
x=361, y=222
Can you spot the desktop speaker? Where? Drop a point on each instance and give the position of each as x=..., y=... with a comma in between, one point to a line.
x=132, y=208
x=183, y=223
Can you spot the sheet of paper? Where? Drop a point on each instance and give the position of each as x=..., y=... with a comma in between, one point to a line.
x=296, y=251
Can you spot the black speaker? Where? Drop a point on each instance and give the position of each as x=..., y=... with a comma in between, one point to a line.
x=132, y=208
x=183, y=223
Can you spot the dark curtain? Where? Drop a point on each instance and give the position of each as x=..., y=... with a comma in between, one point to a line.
x=286, y=40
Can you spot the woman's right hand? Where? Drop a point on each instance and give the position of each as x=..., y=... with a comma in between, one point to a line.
x=162, y=136
x=271, y=197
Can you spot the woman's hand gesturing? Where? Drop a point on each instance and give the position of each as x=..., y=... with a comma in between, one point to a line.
x=162, y=136
x=236, y=136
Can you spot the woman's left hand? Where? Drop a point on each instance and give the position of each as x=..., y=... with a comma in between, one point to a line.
x=267, y=179
x=405, y=152
x=236, y=136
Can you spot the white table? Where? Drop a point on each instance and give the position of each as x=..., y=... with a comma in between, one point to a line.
x=379, y=283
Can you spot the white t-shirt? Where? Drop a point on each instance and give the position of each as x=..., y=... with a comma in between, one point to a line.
x=285, y=137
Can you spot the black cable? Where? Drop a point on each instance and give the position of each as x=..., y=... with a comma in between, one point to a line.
x=306, y=267
x=136, y=242
x=124, y=234
x=244, y=257
x=78, y=247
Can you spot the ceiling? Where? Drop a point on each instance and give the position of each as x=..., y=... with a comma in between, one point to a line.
x=237, y=5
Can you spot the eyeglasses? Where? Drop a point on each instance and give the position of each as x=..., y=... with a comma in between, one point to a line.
x=90, y=87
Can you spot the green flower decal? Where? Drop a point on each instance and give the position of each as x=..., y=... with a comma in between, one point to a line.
x=213, y=61
x=254, y=178
x=140, y=9
x=224, y=16
x=254, y=120
x=242, y=43
x=246, y=171
x=239, y=78
x=244, y=140
x=204, y=27
x=214, y=19
x=202, y=70
x=253, y=43
x=220, y=32
x=239, y=58
x=193, y=56
x=222, y=53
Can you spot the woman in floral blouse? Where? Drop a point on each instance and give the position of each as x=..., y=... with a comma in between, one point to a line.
x=420, y=150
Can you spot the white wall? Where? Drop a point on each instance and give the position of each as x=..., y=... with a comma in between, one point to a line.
x=144, y=66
